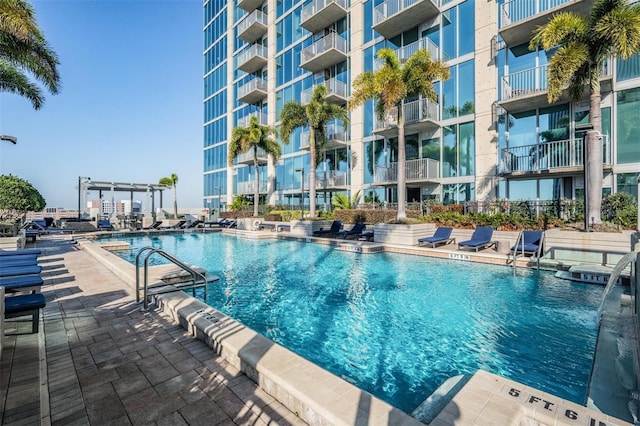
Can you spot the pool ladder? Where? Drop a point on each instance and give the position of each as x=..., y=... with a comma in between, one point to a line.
x=538, y=254
x=197, y=279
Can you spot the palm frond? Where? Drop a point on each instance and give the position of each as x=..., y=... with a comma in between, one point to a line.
x=17, y=17
x=619, y=31
x=562, y=28
x=292, y=116
x=13, y=80
x=363, y=90
x=563, y=65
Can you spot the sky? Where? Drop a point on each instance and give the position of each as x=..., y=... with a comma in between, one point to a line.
x=130, y=107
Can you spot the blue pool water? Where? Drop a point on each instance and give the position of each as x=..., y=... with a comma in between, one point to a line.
x=395, y=325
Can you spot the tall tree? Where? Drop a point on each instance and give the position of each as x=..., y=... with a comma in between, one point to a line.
x=583, y=44
x=172, y=181
x=315, y=115
x=389, y=86
x=23, y=52
x=17, y=197
x=251, y=138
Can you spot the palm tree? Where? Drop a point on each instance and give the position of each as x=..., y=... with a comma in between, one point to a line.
x=389, y=86
x=342, y=201
x=172, y=181
x=315, y=115
x=23, y=51
x=251, y=138
x=585, y=43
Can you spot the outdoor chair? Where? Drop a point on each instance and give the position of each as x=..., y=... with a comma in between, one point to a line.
x=155, y=225
x=26, y=252
x=104, y=225
x=25, y=304
x=480, y=239
x=22, y=283
x=336, y=226
x=194, y=224
x=26, y=260
x=12, y=271
x=529, y=243
x=354, y=232
x=442, y=236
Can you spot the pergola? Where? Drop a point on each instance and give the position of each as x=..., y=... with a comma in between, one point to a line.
x=86, y=184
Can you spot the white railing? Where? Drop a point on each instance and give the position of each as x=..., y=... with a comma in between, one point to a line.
x=405, y=52
x=535, y=80
x=335, y=134
x=415, y=170
x=246, y=157
x=314, y=7
x=392, y=7
x=548, y=156
x=257, y=16
x=249, y=187
x=254, y=50
x=330, y=179
x=326, y=43
x=244, y=121
x=518, y=10
x=334, y=88
x=251, y=85
x=413, y=112
x=526, y=82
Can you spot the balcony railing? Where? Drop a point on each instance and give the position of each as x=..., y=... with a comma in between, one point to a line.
x=253, y=90
x=389, y=15
x=331, y=179
x=336, y=91
x=548, y=156
x=415, y=170
x=413, y=112
x=336, y=136
x=244, y=121
x=405, y=52
x=534, y=80
x=322, y=13
x=249, y=187
x=253, y=26
x=518, y=10
x=253, y=58
x=247, y=157
x=329, y=50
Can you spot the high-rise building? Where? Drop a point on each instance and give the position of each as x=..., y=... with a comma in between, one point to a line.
x=492, y=133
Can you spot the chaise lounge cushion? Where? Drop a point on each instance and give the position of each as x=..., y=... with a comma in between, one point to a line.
x=24, y=303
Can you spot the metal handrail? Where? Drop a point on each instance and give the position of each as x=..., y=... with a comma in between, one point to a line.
x=152, y=250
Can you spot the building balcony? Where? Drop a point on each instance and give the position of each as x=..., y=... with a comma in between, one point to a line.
x=244, y=121
x=320, y=14
x=332, y=180
x=247, y=157
x=252, y=59
x=248, y=188
x=419, y=116
x=394, y=16
x=336, y=92
x=527, y=89
x=336, y=138
x=249, y=5
x=253, y=91
x=421, y=170
x=557, y=157
x=253, y=26
x=329, y=50
x=519, y=18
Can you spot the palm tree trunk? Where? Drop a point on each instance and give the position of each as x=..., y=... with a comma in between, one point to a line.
x=593, y=163
x=175, y=202
x=256, y=190
x=312, y=173
x=402, y=161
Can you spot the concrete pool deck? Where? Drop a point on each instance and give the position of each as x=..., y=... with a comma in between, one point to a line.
x=123, y=362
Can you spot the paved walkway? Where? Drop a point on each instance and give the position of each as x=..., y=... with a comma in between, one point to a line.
x=99, y=360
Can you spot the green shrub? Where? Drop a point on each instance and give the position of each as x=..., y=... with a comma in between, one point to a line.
x=621, y=209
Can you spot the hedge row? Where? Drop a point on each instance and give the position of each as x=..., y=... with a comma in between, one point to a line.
x=371, y=216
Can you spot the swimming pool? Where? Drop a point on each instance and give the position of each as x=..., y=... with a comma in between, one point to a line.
x=396, y=325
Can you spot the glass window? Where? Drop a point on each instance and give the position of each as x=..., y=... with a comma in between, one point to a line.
x=467, y=149
x=466, y=28
x=449, y=33
x=449, y=98
x=628, y=127
x=628, y=69
x=449, y=152
x=411, y=147
x=466, y=87
x=628, y=182
x=522, y=129
x=431, y=149
x=554, y=123
x=458, y=193
x=522, y=189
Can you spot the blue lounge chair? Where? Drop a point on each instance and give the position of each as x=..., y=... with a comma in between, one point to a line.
x=12, y=271
x=529, y=243
x=336, y=226
x=25, y=304
x=26, y=260
x=356, y=230
x=22, y=283
x=365, y=236
x=194, y=224
x=480, y=239
x=105, y=225
x=441, y=236
x=178, y=225
x=20, y=252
